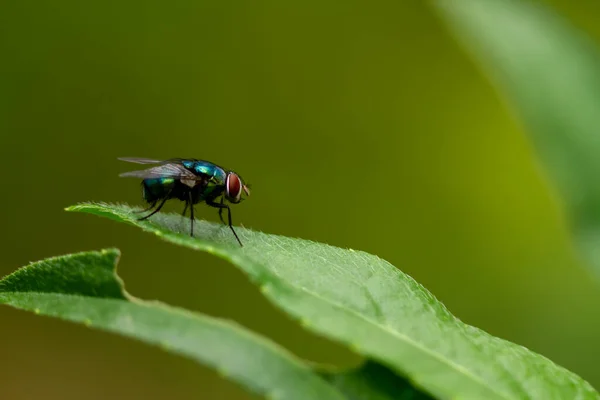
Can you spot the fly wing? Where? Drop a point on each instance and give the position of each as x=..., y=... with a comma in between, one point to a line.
x=138, y=160
x=176, y=171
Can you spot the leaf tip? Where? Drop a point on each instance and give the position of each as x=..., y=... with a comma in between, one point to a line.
x=91, y=273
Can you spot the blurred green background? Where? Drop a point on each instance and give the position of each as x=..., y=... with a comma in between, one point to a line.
x=358, y=124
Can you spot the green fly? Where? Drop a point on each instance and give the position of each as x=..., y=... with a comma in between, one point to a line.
x=191, y=181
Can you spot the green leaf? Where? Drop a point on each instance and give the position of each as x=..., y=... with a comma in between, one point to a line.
x=373, y=381
x=550, y=74
x=84, y=288
x=380, y=312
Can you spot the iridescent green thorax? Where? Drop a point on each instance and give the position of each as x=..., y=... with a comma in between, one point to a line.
x=216, y=174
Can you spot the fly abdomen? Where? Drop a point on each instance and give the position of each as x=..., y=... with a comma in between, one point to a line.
x=154, y=189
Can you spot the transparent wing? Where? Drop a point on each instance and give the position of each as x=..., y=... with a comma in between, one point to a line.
x=138, y=160
x=163, y=171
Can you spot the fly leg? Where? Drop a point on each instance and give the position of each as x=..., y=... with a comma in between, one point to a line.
x=221, y=211
x=187, y=204
x=190, y=202
x=162, y=203
x=222, y=206
x=145, y=209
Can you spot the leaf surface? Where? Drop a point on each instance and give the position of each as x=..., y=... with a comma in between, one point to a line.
x=374, y=308
x=372, y=381
x=84, y=288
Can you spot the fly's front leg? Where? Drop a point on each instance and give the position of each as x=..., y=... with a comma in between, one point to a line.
x=221, y=211
x=221, y=207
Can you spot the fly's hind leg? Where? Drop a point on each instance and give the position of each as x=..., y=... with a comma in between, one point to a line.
x=162, y=203
x=150, y=207
x=190, y=202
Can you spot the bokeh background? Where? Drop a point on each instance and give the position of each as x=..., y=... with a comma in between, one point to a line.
x=359, y=124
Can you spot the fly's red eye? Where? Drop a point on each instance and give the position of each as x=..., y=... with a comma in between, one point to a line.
x=234, y=188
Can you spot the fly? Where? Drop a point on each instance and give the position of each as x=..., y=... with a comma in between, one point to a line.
x=191, y=181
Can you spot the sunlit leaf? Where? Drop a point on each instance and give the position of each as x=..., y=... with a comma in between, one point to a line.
x=84, y=288
x=371, y=306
